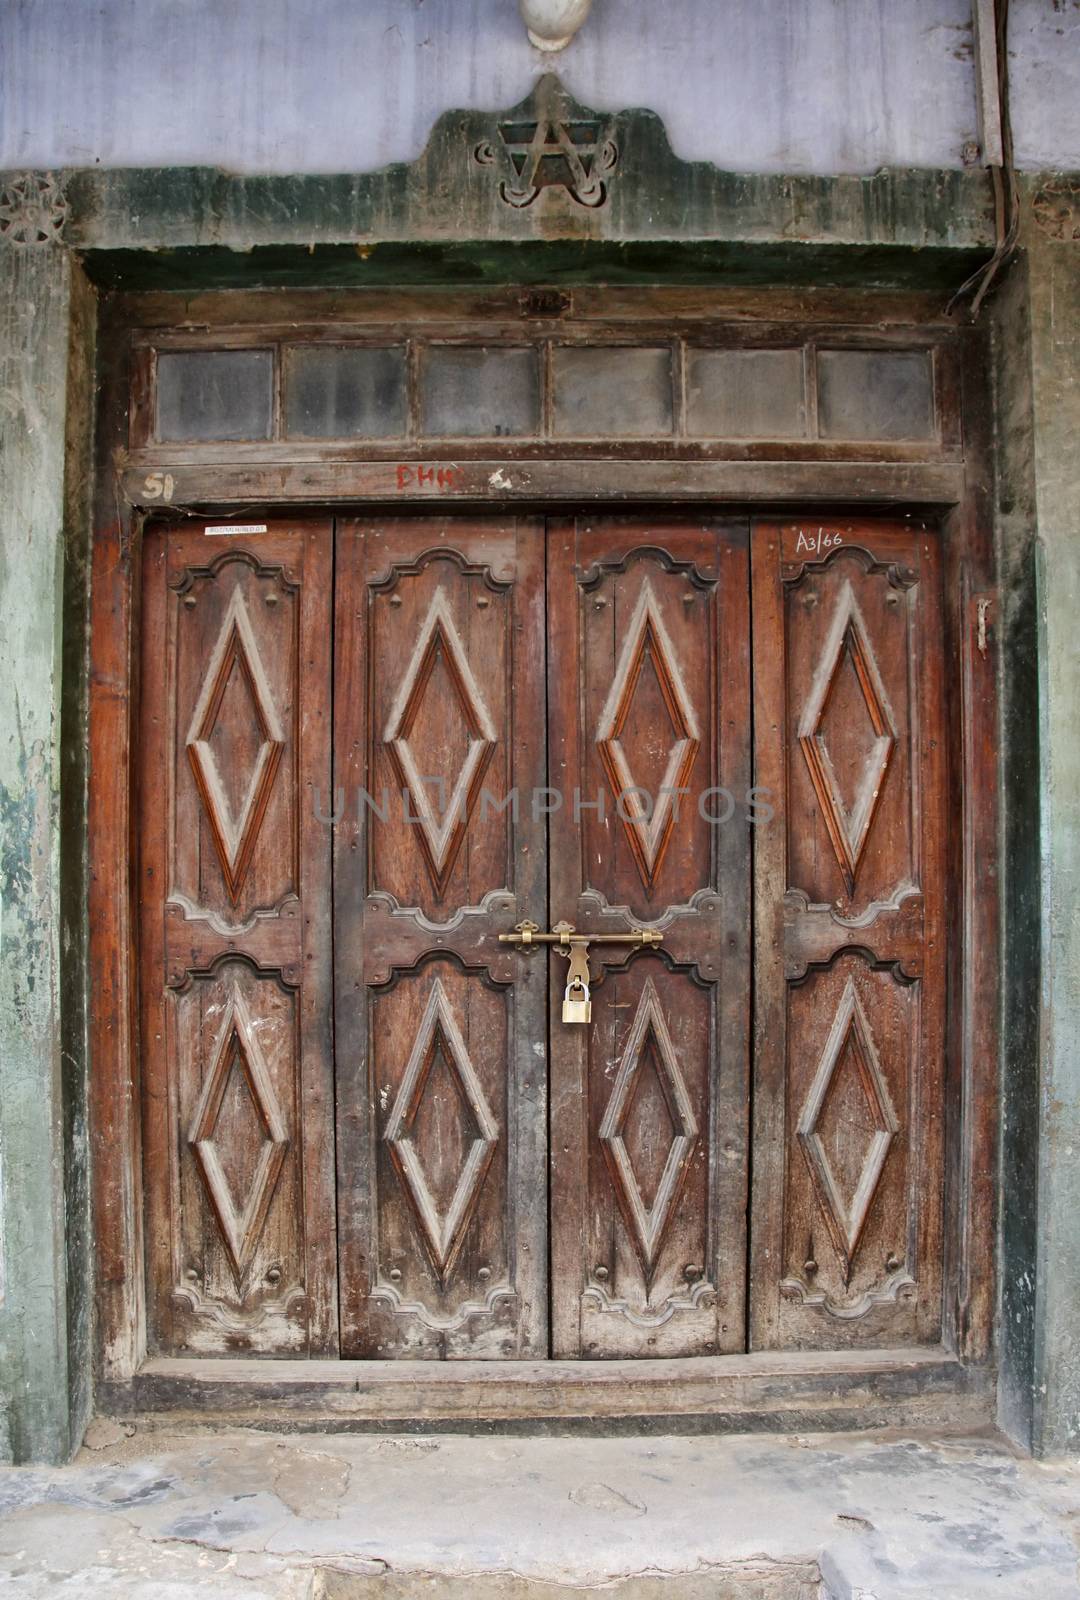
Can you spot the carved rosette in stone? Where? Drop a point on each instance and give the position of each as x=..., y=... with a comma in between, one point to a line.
x=33, y=209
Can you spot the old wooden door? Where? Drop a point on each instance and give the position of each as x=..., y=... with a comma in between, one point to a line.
x=365, y=756
x=649, y=678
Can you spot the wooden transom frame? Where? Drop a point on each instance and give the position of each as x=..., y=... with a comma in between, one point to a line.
x=946, y=478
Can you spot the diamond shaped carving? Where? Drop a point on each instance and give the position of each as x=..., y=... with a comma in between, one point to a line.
x=648, y=822
x=848, y=651
x=241, y=1219
x=439, y=1039
x=849, y=1072
x=235, y=833
x=441, y=835
x=648, y=1048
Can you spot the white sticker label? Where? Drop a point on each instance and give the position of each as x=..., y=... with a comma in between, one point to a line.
x=237, y=527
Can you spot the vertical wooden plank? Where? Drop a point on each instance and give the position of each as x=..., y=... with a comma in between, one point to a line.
x=235, y=918
x=649, y=704
x=770, y=1009
x=442, y=1089
x=115, y=1141
x=972, y=631
x=851, y=961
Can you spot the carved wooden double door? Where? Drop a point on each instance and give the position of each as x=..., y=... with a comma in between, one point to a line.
x=371, y=748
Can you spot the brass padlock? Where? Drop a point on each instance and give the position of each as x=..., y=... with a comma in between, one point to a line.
x=576, y=1005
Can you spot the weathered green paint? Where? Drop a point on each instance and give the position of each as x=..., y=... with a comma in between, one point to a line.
x=448, y=196
x=480, y=262
x=35, y=1349
x=1017, y=634
x=1054, y=276
x=74, y=842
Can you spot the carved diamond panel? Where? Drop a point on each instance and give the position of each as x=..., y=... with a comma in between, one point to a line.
x=848, y=686
x=235, y=669
x=240, y=1219
x=847, y=1126
x=648, y=1049
x=647, y=649
x=439, y=655
x=443, y=1201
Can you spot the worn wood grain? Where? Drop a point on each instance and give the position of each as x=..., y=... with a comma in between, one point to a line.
x=499, y=481
x=234, y=874
x=785, y=1391
x=442, y=1086
x=648, y=676
x=850, y=1071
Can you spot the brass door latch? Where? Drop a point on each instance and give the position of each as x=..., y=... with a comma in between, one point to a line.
x=577, y=1002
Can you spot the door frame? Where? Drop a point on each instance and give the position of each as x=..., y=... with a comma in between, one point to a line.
x=954, y=488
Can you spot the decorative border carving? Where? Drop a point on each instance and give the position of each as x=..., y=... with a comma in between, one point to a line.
x=494, y=901
x=701, y=1297
x=470, y=1308
x=232, y=1320
x=682, y=949
x=180, y=907
x=470, y=569
x=815, y=934
x=262, y=569
x=903, y=1285
x=595, y=573
x=33, y=210
x=899, y=576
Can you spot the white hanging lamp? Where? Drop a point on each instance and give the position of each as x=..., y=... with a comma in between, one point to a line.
x=553, y=23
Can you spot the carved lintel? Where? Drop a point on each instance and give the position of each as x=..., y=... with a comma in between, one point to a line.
x=33, y=210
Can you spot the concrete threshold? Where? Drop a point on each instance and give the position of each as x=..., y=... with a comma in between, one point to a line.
x=752, y=1580
x=244, y=1514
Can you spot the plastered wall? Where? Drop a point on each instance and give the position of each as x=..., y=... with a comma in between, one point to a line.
x=828, y=86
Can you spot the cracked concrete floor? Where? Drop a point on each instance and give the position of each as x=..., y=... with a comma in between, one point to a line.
x=243, y=1515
